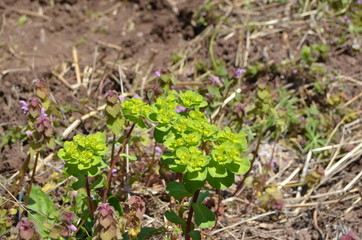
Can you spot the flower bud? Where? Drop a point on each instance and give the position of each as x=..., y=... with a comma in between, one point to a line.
x=106, y=225
x=27, y=230
x=41, y=89
x=112, y=96
x=34, y=105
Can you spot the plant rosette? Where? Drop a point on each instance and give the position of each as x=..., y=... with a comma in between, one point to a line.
x=84, y=155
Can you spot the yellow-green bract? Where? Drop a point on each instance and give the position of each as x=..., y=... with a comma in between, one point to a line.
x=84, y=154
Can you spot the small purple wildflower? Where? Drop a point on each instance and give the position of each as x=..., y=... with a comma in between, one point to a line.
x=248, y=123
x=346, y=19
x=29, y=133
x=75, y=194
x=158, y=73
x=295, y=71
x=24, y=106
x=214, y=80
x=121, y=98
x=158, y=150
x=172, y=87
x=180, y=109
x=239, y=72
x=137, y=96
x=72, y=227
x=42, y=112
x=359, y=1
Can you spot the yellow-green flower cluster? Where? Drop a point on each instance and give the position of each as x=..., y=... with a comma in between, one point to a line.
x=136, y=107
x=192, y=158
x=164, y=109
x=84, y=153
x=190, y=99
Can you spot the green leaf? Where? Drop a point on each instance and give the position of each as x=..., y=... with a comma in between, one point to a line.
x=192, y=186
x=172, y=217
x=204, y=217
x=195, y=235
x=221, y=183
x=177, y=168
x=160, y=132
x=42, y=209
x=197, y=175
x=113, y=110
x=241, y=166
x=115, y=124
x=147, y=232
x=80, y=183
x=99, y=182
x=22, y=20
x=114, y=202
x=202, y=196
x=51, y=143
x=132, y=158
x=216, y=170
x=138, y=121
x=177, y=190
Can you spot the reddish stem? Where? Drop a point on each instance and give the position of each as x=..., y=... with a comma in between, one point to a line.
x=89, y=196
x=115, y=160
x=189, y=217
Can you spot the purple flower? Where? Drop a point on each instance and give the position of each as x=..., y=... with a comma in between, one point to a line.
x=75, y=194
x=180, y=109
x=359, y=1
x=72, y=227
x=42, y=112
x=158, y=150
x=137, y=96
x=121, y=98
x=158, y=73
x=172, y=87
x=214, y=80
x=29, y=133
x=239, y=72
x=24, y=106
x=346, y=19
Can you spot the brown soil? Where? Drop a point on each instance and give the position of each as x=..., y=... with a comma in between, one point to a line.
x=142, y=32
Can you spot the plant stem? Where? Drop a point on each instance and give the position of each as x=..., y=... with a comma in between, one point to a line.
x=32, y=179
x=116, y=159
x=89, y=196
x=189, y=217
x=217, y=213
x=31, y=182
x=241, y=184
x=150, y=166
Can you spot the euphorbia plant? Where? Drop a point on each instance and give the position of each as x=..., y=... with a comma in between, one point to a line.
x=198, y=151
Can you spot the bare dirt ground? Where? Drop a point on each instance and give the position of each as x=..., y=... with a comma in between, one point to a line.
x=82, y=48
